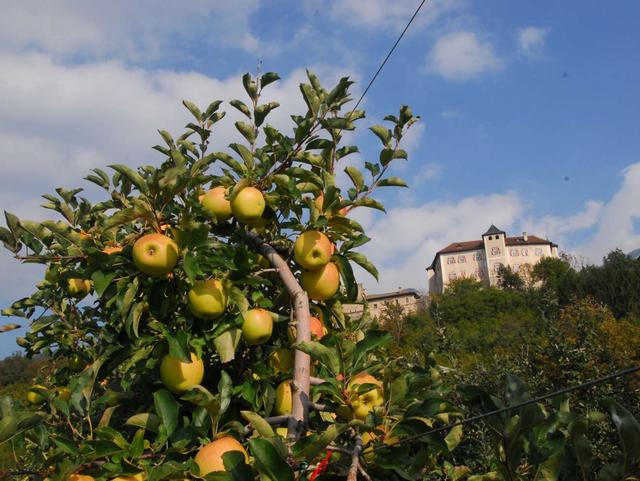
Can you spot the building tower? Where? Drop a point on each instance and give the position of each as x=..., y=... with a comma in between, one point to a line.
x=496, y=252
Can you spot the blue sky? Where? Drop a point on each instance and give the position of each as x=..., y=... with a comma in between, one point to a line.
x=529, y=108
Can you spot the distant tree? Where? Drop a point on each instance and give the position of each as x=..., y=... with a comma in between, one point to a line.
x=557, y=278
x=509, y=279
x=616, y=283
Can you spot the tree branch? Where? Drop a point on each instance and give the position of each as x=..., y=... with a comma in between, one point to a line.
x=355, y=460
x=302, y=364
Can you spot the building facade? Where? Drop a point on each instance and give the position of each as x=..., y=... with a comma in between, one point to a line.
x=409, y=299
x=482, y=259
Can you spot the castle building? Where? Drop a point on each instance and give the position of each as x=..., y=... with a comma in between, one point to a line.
x=409, y=300
x=481, y=259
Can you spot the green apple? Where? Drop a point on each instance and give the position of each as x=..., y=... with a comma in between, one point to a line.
x=248, y=205
x=321, y=284
x=79, y=287
x=77, y=362
x=215, y=202
x=207, y=298
x=312, y=249
x=179, y=376
x=284, y=398
x=155, y=254
x=257, y=326
x=209, y=458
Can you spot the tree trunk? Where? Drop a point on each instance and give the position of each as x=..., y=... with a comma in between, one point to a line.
x=302, y=316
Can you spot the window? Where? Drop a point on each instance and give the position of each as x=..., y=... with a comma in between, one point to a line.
x=516, y=268
x=452, y=276
x=490, y=237
x=539, y=252
x=406, y=301
x=515, y=252
x=451, y=260
x=497, y=266
x=478, y=273
x=495, y=251
x=462, y=259
x=463, y=274
x=375, y=306
x=525, y=251
x=478, y=256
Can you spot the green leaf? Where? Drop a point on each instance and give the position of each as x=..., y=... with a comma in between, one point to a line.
x=179, y=345
x=322, y=353
x=363, y=262
x=549, y=470
x=453, y=438
x=269, y=462
x=235, y=466
x=312, y=446
x=135, y=178
x=191, y=107
x=166, y=408
x=382, y=133
x=226, y=344
x=101, y=281
x=191, y=266
x=241, y=106
x=373, y=339
x=628, y=431
x=392, y=182
x=263, y=110
x=137, y=444
x=348, y=279
x=225, y=390
x=258, y=423
x=268, y=78
x=148, y=421
x=231, y=162
x=369, y=202
x=356, y=177
x=245, y=153
x=250, y=86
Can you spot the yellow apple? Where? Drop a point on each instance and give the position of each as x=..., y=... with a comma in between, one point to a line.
x=257, y=326
x=34, y=397
x=284, y=399
x=179, y=376
x=248, y=205
x=80, y=477
x=312, y=249
x=209, y=458
x=64, y=393
x=281, y=360
x=135, y=477
x=207, y=299
x=79, y=287
x=321, y=284
x=319, y=201
x=215, y=201
x=363, y=403
x=155, y=254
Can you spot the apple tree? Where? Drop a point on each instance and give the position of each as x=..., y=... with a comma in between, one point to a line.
x=195, y=313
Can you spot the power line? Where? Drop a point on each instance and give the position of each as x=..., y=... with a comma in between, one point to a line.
x=375, y=76
x=593, y=382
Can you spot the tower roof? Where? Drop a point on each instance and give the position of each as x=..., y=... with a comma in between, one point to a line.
x=493, y=230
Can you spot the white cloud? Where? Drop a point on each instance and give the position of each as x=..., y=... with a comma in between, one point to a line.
x=462, y=56
x=142, y=30
x=388, y=13
x=531, y=40
x=615, y=227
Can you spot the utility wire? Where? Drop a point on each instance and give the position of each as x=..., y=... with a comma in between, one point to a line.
x=593, y=382
x=375, y=76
